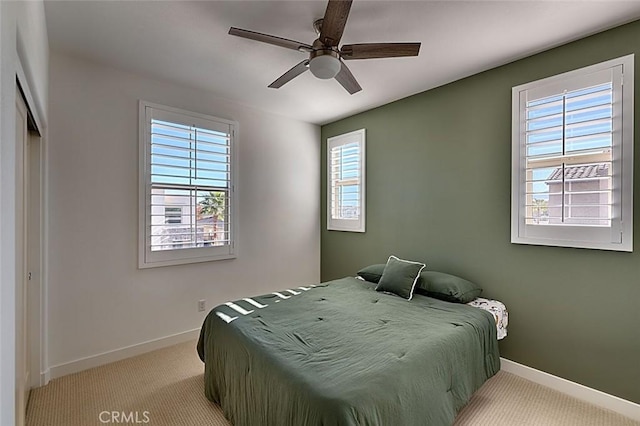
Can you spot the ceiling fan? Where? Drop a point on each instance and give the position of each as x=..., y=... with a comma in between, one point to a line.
x=325, y=58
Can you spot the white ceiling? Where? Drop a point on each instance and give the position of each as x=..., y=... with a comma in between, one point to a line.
x=187, y=43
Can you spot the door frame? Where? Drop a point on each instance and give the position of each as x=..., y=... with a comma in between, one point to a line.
x=37, y=321
x=22, y=349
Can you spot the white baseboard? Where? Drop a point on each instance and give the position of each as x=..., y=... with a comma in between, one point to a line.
x=120, y=354
x=45, y=376
x=576, y=390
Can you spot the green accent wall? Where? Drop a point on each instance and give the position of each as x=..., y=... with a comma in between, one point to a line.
x=438, y=190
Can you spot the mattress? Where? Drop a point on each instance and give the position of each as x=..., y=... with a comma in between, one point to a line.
x=499, y=312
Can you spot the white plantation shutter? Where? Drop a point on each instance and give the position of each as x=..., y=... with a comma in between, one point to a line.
x=188, y=186
x=572, y=159
x=346, y=182
x=569, y=142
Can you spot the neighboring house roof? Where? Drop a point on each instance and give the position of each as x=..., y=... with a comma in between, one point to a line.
x=204, y=219
x=581, y=172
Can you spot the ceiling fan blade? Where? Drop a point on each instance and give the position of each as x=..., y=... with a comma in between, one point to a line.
x=290, y=75
x=266, y=38
x=335, y=18
x=379, y=50
x=347, y=80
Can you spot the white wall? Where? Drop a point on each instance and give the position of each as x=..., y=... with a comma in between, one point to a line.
x=98, y=300
x=23, y=45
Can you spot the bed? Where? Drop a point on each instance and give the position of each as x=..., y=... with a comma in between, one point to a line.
x=340, y=353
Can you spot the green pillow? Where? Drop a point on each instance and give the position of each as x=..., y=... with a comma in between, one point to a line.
x=447, y=287
x=372, y=273
x=400, y=277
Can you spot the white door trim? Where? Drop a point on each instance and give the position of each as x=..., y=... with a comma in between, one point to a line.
x=38, y=315
x=22, y=349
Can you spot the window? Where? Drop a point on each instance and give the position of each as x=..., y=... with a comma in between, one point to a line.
x=572, y=156
x=187, y=189
x=346, y=182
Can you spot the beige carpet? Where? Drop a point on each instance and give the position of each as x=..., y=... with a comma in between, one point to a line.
x=168, y=385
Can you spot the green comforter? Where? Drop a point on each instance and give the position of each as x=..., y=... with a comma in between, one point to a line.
x=341, y=353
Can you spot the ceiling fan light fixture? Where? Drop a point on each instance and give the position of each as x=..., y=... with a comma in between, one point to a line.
x=325, y=65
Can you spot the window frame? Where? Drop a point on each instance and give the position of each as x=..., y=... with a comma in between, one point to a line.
x=618, y=236
x=148, y=258
x=348, y=225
